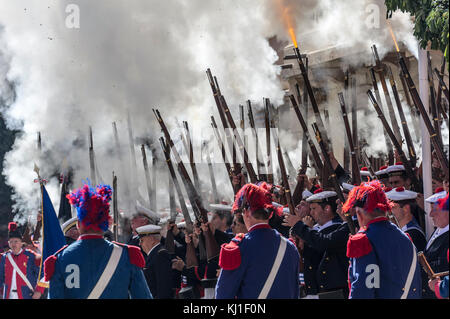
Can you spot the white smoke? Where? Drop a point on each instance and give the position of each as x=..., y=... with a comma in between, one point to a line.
x=137, y=55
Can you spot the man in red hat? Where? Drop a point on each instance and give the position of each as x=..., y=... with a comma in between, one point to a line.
x=260, y=264
x=383, y=259
x=19, y=269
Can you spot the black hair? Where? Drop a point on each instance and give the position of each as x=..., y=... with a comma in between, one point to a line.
x=224, y=214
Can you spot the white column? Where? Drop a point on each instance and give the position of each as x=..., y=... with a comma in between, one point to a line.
x=426, y=147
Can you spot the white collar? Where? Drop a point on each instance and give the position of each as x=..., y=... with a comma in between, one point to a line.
x=326, y=225
x=437, y=233
x=255, y=226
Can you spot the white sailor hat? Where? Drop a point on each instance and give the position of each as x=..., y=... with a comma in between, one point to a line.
x=438, y=194
x=181, y=225
x=347, y=187
x=396, y=170
x=306, y=193
x=148, y=230
x=148, y=213
x=400, y=194
x=69, y=224
x=382, y=173
x=320, y=196
x=365, y=172
x=220, y=207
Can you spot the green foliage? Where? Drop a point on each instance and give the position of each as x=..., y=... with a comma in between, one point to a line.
x=431, y=21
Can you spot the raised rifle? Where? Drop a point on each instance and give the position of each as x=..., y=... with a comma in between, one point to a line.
x=337, y=187
x=367, y=162
x=433, y=106
x=212, y=248
x=115, y=209
x=356, y=176
x=284, y=177
x=259, y=162
x=439, y=94
x=92, y=158
x=409, y=170
x=147, y=175
x=355, y=120
x=191, y=157
x=154, y=172
x=442, y=83
x=412, y=111
x=211, y=174
x=237, y=168
x=304, y=162
x=389, y=146
x=310, y=92
x=379, y=68
x=224, y=155
x=191, y=257
x=406, y=133
x=302, y=121
x=268, y=146
x=419, y=105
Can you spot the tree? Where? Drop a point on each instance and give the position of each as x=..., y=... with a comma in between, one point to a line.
x=431, y=24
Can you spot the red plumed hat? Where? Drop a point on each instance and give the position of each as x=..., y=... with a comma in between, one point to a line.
x=254, y=197
x=369, y=196
x=13, y=232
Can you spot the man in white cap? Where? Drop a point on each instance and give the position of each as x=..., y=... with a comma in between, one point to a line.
x=324, y=254
x=397, y=176
x=158, y=264
x=383, y=176
x=437, y=246
x=405, y=207
x=70, y=230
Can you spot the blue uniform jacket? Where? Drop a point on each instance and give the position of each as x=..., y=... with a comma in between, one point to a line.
x=74, y=271
x=252, y=261
x=381, y=257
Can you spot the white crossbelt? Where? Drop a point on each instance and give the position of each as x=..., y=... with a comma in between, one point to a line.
x=107, y=273
x=18, y=271
x=410, y=277
x=276, y=266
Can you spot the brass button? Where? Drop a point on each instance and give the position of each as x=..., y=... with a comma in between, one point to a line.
x=321, y=287
x=327, y=259
x=403, y=289
x=310, y=267
x=414, y=289
x=324, y=272
x=309, y=287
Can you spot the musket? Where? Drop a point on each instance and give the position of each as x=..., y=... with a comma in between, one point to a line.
x=268, y=146
x=302, y=121
x=39, y=142
x=412, y=111
x=409, y=170
x=433, y=106
x=290, y=167
x=337, y=187
x=355, y=120
x=224, y=155
x=304, y=162
x=386, y=137
x=211, y=174
x=125, y=182
x=191, y=156
x=327, y=121
x=379, y=68
x=259, y=163
x=367, y=162
x=406, y=133
x=427, y=268
x=134, y=189
x=242, y=126
x=284, y=177
x=191, y=257
x=248, y=166
x=355, y=164
x=237, y=168
x=115, y=209
x=439, y=93
x=92, y=158
x=419, y=105
x=169, y=243
x=212, y=248
x=38, y=228
x=310, y=92
x=153, y=203
x=442, y=83
x=346, y=148
x=147, y=175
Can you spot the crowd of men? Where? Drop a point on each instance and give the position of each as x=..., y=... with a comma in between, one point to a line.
x=266, y=250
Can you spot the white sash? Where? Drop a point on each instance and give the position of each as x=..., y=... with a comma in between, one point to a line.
x=276, y=266
x=18, y=271
x=107, y=273
x=411, y=273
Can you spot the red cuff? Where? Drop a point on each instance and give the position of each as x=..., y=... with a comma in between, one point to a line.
x=436, y=289
x=40, y=289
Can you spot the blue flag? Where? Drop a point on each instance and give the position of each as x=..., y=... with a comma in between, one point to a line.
x=52, y=234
